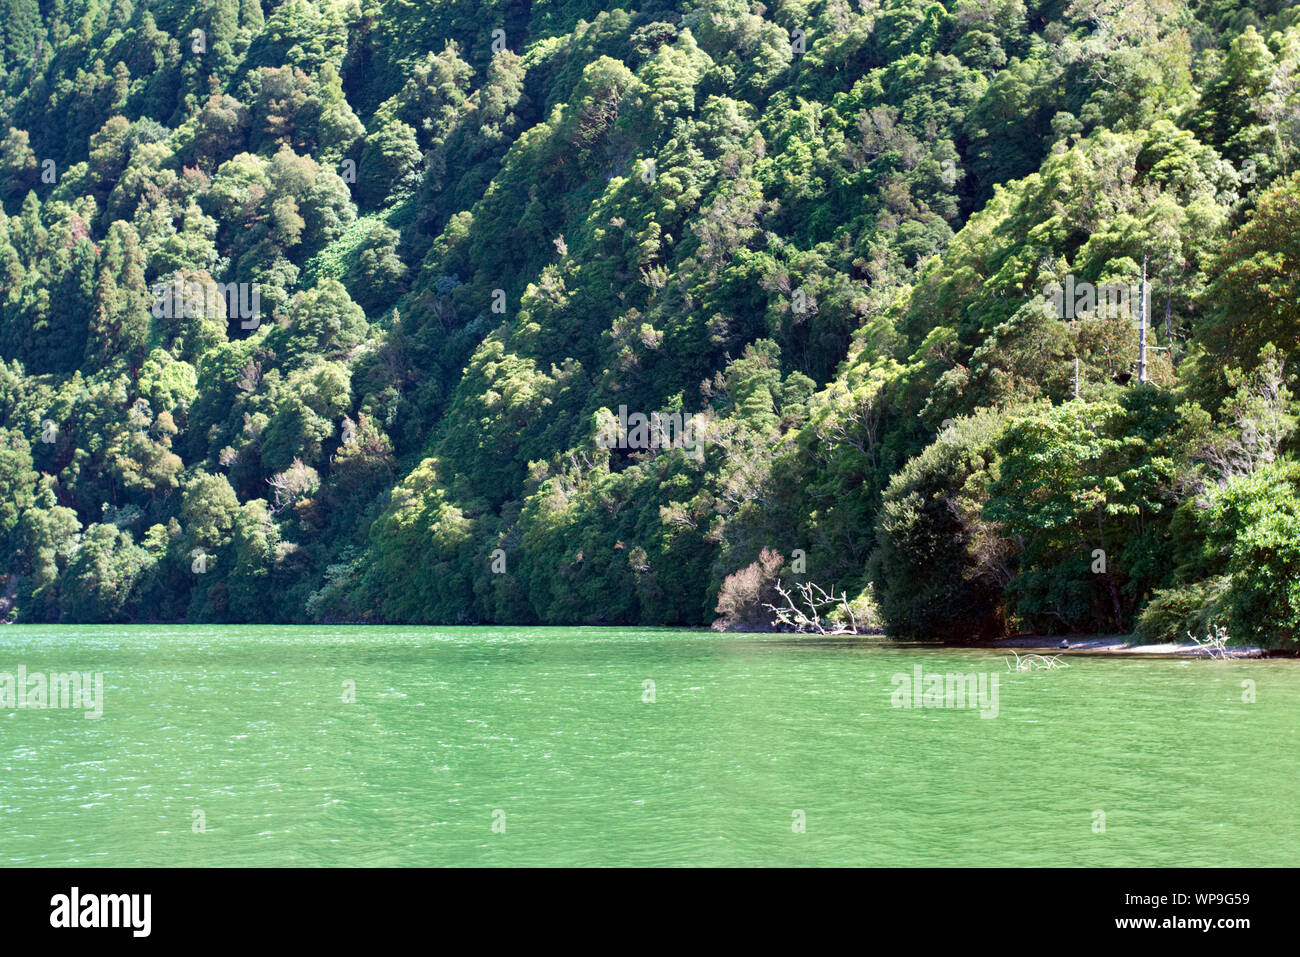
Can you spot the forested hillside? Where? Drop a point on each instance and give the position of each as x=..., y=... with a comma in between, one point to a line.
x=348, y=311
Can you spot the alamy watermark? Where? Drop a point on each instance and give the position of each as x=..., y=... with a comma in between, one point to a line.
x=75, y=909
x=658, y=430
x=64, y=690
x=951, y=690
x=187, y=299
x=1079, y=300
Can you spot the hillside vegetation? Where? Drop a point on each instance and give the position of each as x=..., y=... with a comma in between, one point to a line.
x=347, y=311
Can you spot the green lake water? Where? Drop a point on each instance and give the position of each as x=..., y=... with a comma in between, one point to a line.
x=537, y=746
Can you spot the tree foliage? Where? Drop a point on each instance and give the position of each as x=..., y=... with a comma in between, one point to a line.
x=329, y=313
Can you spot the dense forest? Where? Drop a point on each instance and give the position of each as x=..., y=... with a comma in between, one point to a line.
x=330, y=311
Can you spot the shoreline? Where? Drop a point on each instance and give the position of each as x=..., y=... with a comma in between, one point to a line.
x=1051, y=645
x=1039, y=644
x=1033, y=644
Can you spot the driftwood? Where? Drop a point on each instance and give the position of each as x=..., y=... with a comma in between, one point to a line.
x=1215, y=642
x=816, y=599
x=1036, y=662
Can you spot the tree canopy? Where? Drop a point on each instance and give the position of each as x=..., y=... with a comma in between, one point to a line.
x=327, y=311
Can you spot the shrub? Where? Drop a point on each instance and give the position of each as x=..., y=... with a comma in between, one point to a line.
x=744, y=594
x=1173, y=612
x=1256, y=518
x=866, y=613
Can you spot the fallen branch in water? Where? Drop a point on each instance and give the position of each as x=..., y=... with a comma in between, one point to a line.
x=815, y=598
x=1036, y=662
x=1216, y=640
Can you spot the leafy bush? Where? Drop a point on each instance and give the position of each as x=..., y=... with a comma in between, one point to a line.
x=745, y=593
x=1174, y=612
x=865, y=613
x=1256, y=518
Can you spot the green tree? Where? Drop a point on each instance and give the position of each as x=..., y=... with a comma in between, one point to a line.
x=99, y=584
x=1255, y=519
x=940, y=566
